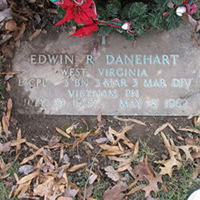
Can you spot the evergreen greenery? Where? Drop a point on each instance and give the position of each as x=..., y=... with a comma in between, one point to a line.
x=144, y=15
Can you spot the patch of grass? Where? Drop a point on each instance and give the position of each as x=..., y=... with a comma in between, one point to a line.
x=81, y=179
x=81, y=130
x=4, y=192
x=145, y=150
x=14, y=169
x=181, y=185
x=99, y=189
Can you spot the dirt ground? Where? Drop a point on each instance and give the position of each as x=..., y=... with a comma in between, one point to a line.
x=37, y=127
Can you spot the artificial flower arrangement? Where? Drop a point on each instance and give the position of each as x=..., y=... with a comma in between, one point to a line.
x=88, y=20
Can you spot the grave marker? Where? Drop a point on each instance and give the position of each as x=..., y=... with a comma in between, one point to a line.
x=77, y=76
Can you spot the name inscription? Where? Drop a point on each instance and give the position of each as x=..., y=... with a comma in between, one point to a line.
x=121, y=79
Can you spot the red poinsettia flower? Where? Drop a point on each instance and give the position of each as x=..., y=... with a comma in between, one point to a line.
x=86, y=30
x=191, y=8
x=82, y=14
x=186, y=1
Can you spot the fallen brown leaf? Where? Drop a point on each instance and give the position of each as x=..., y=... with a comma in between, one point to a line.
x=92, y=178
x=9, y=108
x=22, y=189
x=5, y=126
x=164, y=126
x=35, y=34
x=192, y=130
x=28, y=177
x=153, y=184
x=11, y=73
x=21, y=32
x=81, y=137
x=10, y=25
x=197, y=122
x=38, y=152
x=8, y=87
x=69, y=129
x=116, y=192
x=172, y=161
x=62, y=133
x=187, y=150
x=112, y=173
x=77, y=167
x=134, y=190
x=5, y=147
x=33, y=146
x=130, y=120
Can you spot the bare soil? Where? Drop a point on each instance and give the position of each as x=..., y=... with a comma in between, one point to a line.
x=37, y=127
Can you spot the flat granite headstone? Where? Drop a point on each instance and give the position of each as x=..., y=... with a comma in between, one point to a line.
x=159, y=75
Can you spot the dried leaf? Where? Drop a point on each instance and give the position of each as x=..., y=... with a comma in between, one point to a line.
x=111, y=153
x=140, y=170
x=21, y=32
x=196, y=172
x=26, y=169
x=112, y=173
x=54, y=140
x=153, y=184
x=172, y=161
x=62, y=133
x=110, y=134
x=5, y=147
x=66, y=159
x=22, y=189
x=11, y=73
x=9, y=108
x=28, y=177
x=190, y=130
x=8, y=87
x=99, y=116
x=35, y=34
x=81, y=137
x=133, y=184
x=25, y=160
x=5, y=125
x=186, y=150
x=10, y=25
x=130, y=120
x=164, y=126
x=45, y=189
x=121, y=135
x=1, y=129
x=92, y=178
x=197, y=122
x=70, y=192
x=70, y=129
x=77, y=167
x=89, y=191
x=116, y=192
x=33, y=146
x=136, y=148
x=5, y=14
x=89, y=145
x=134, y=190
x=101, y=140
x=18, y=142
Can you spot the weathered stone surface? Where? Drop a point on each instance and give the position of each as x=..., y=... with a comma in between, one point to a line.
x=158, y=76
